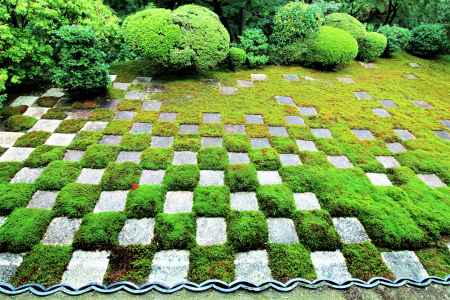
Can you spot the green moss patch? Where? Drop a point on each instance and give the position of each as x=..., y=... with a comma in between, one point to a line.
x=241, y=178
x=15, y=195
x=99, y=156
x=156, y=159
x=70, y=126
x=435, y=260
x=8, y=170
x=212, y=159
x=265, y=159
x=58, y=174
x=175, y=231
x=276, y=200
x=146, y=201
x=32, y=139
x=237, y=143
x=247, y=231
x=165, y=129
x=101, y=114
x=20, y=123
x=212, y=201
x=135, y=142
x=43, y=155
x=211, y=262
x=290, y=261
x=182, y=178
x=118, y=127
x=187, y=143
x=75, y=200
x=284, y=144
x=120, y=176
x=85, y=139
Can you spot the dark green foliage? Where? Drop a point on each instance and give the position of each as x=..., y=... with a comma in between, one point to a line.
x=255, y=44
x=23, y=229
x=75, y=200
x=47, y=101
x=265, y=159
x=397, y=39
x=99, y=231
x=70, y=126
x=146, y=201
x=156, y=158
x=99, y=156
x=58, y=174
x=237, y=143
x=44, y=265
x=8, y=170
x=55, y=114
x=43, y=155
x=347, y=23
x=20, y=123
x=212, y=159
x=428, y=40
x=212, y=201
x=175, y=231
x=275, y=200
x=211, y=262
x=371, y=46
x=241, y=178
x=14, y=195
x=316, y=231
x=120, y=176
x=247, y=231
x=182, y=178
x=435, y=260
x=236, y=58
x=290, y=261
x=84, y=139
x=32, y=139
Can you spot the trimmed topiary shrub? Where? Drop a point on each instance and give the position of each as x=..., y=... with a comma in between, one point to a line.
x=330, y=48
x=397, y=39
x=236, y=58
x=371, y=46
x=347, y=23
x=428, y=40
x=190, y=37
x=255, y=44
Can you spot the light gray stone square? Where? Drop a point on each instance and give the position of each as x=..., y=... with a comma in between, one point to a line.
x=446, y=123
x=254, y=119
x=404, y=134
x=111, y=139
x=24, y=100
x=170, y=267
x=212, y=118
x=212, y=142
x=282, y=231
x=111, y=201
x=135, y=95
x=291, y=77
x=238, y=158
x=387, y=103
x=178, y=202
x=431, y=180
x=414, y=65
x=3, y=220
x=112, y=78
x=142, y=80
x=141, y=128
x=285, y=100
x=46, y=125
x=350, y=230
x=396, y=148
x=9, y=262
x=410, y=76
x=152, y=177
x=90, y=176
x=86, y=267
x=239, y=129
x=308, y=78
x=137, y=232
x=379, y=179
x=258, y=77
x=211, y=231
x=346, y=80
x=186, y=129
x=121, y=86
x=404, y=264
x=94, y=126
x=294, y=120
x=211, y=178
x=227, y=90
x=278, y=131
x=125, y=115
x=244, y=83
x=43, y=199
x=362, y=95
x=388, y=162
x=363, y=134
x=306, y=201
x=306, y=145
x=368, y=65
x=129, y=156
x=244, y=201
x=308, y=111
x=330, y=265
x=60, y=139
x=151, y=106
x=162, y=141
x=110, y=104
x=321, y=133
x=73, y=155
x=252, y=266
x=269, y=177
x=54, y=93
x=260, y=143
x=442, y=134
x=8, y=139
x=184, y=158
x=36, y=112
x=27, y=175
x=167, y=117
x=18, y=154
x=61, y=231
x=382, y=113
x=340, y=162
x=423, y=104
x=290, y=160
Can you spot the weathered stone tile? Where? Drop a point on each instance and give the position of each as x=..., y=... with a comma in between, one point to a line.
x=211, y=231
x=294, y=120
x=321, y=133
x=362, y=95
x=244, y=83
x=268, y=177
x=61, y=231
x=46, y=125
x=285, y=100
x=8, y=139
x=142, y=80
x=110, y=104
x=27, y=175
x=94, y=126
x=129, y=156
x=446, y=123
x=54, y=93
x=142, y=128
x=73, y=155
x=240, y=129
x=90, y=176
x=379, y=179
x=184, y=158
x=291, y=77
x=170, y=267
x=306, y=201
x=442, y=134
x=423, y=104
x=86, y=267
x=306, y=145
x=125, y=115
x=396, y=148
x=111, y=201
x=282, y=231
x=43, y=199
x=350, y=230
x=178, y=202
x=290, y=160
x=308, y=78
x=368, y=65
x=227, y=90
x=307, y=111
x=238, y=158
x=212, y=142
x=244, y=201
x=414, y=65
x=258, y=77
x=387, y=103
x=151, y=106
x=254, y=119
x=135, y=95
x=363, y=134
x=212, y=118
x=137, y=232
x=340, y=162
x=121, y=86
x=111, y=139
x=260, y=143
x=186, y=129
x=162, y=141
x=404, y=264
x=112, y=78
x=330, y=265
x=278, y=131
x=410, y=76
x=152, y=177
x=388, y=162
x=211, y=178
x=9, y=262
x=431, y=180
x=252, y=266
x=382, y=113
x=346, y=80
x=16, y=154
x=60, y=139
x=36, y=112
x=24, y=100
x=167, y=117
x=404, y=134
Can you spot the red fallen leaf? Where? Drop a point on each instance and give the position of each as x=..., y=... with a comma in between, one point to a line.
x=23, y=108
x=134, y=186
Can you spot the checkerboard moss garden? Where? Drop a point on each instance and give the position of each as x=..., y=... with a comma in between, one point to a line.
x=186, y=163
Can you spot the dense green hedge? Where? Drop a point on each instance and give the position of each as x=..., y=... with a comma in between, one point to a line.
x=346, y=22
x=371, y=46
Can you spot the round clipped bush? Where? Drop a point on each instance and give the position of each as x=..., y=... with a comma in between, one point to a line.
x=428, y=40
x=330, y=48
x=371, y=46
x=346, y=22
x=236, y=58
x=190, y=37
x=397, y=39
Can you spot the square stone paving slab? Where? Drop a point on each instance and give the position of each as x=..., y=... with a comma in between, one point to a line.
x=404, y=264
x=278, y=131
x=388, y=162
x=307, y=111
x=121, y=86
x=330, y=265
x=282, y=231
x=258, y=77
x=387, y=103
x=212, y=142
x=382, y=113
x=73, y=155
x=94, y=126
x=379, y=179
x=410, y=76
x=260, y=143
x=18, y=154
x=291, y=77
x=141, y=128
x=340, y=162
x=321, y=133
x=125, y=115
x=54, y=93
x=167, y=117
x=152, y=177
x=244, y=83
x=43, y=199
x=9, y=262
x=363, y=134
x=129, y=156
x=346, y=80
x=254, y=119
x=238, y=158
x=36, y=112
x=188, y=129
x=306, y=201
x=285, y=100
x=111, y=139
x=414, y=65
x=423, y=104
x=268, y=177
x=294, y=120
x=27, y=175
x=90, y=176
x=24, y=100
x=151, y=106
x=211, y=231
x=306, y=145
x=8, y=139
x=61, y=231
x=404, y=134
x=290, y=160
x=60, y=139
x=350, y=230
x=111, y=201
x=396, y=148
x=212, y=118
x=446, y=123
x=142, y=80
x=178, y=202
x=135, y=95
x=184, y=158
x=362, y=95
x=46, y=125
x=211, y=178
x=170, y=267
x=431, y=180
x=227, y=90
x=244, y=201
x=162, y=141
x=442, y=134
x=86, y=267
x=252, y=266
x=137, y=232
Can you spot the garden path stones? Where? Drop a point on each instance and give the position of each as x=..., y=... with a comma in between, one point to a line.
x=170, y=267
x=294, y=120
x=382, y=113
x=258, y=77
x=396, y=148
x=46, y=125
x=8, y=139
x=61, y=231
x=73, y=155
x=9, y=262
x=111, y=139
x=129, y=156
x=24, y=100
x=188, y=129
x=252, y=266
x=306, y=201
x=446, y=123
x=141, y=128
x=442, y=134
x=27, y=175
x=18, y=154
x=137, y=232
x=410, y=76
x=340, y=162
x=307, y=111
x=53, y=93
x=360, y=95
x=404, y=134
x=368, y=65
x=306, y=145
x=36, y=112
x=268, y=177
x=211, y=142
x=290, y=160
x=291, y=77
x=423, y=104
x=86, y=267
x=227, y=90
x=167, y=117
x=121, y=86
x=350, y=230
x=244, y=201
x=285, y=100
x=125, y=115
x=388, y=162
x=238, y=158
x=282, y=231
x=330, y=265
x=260, y=143
x=111, y=104
x=278, y=131
x=135, y=95
x=184, y=158
x=112, y=78
x=162, y=141
x=238, y=129
x=363, y=134
x=60, y=139
x=387, y=103
x=152, y=177
x=111, y=201
x=90, y=176
x=431, y=180
x=321, y=133
x=211, y=178
x=379, y=179
x=178, y=202
x=94, y=126
x=151, y=106
x=212, y=118
x=404, y=264
x=43, y=199
x=346, y=80
x=414, y=65
x=254, y=119
x=244, y=83
x=211, y=231
x=142, y=80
